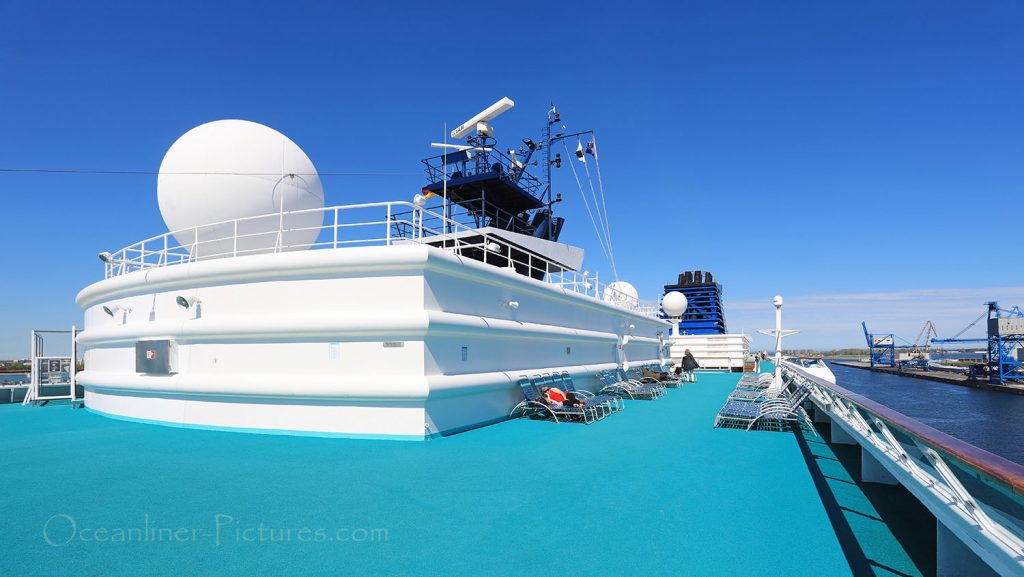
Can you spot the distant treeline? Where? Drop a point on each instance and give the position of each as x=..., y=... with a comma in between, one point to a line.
x=11, y=367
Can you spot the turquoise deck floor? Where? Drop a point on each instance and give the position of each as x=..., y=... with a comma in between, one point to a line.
x=653, y=490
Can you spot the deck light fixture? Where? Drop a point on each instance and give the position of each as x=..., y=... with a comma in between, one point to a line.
x=112, y=310
x=187, y=302
x=105, y=256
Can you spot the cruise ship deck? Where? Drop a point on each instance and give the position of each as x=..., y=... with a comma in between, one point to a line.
x=653, y=490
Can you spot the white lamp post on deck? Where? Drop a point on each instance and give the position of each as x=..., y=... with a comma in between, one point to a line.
x=674, y=304
x=778, y=333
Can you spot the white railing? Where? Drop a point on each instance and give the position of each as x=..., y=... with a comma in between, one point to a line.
x=371, y=224
x=978, y=496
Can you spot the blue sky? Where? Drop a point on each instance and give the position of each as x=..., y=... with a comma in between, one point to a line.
x=859, y=152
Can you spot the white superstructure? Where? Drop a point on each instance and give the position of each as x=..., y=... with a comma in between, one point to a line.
x=715, y=352
x=374, y=324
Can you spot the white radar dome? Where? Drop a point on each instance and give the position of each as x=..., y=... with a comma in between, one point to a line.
x=621, y=293
x=235, y=169
x=777, y=301
x=674, y=304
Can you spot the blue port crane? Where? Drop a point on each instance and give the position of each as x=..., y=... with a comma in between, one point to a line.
x=1005, y=342
x=881, y=347
x=919, y=353
x=928, y=332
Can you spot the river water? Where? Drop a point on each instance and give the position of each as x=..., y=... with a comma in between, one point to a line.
x=990, y=420
x=9, y=378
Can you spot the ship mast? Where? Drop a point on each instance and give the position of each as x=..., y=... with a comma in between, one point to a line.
x=553, y=117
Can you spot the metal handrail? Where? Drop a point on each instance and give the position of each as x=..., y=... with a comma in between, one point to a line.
x=1006, y=472
x=981, y=506
x=473, y=218
x=401, y=222
x=481, y=161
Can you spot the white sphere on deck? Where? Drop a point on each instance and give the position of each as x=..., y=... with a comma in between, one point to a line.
x=674, y=304
x=621, y=293
x=235, y=169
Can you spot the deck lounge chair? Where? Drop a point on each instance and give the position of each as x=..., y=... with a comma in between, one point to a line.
x=531, y=405
x=613, y=386
x=770, y=414
x=655, y=385
x=754, y=394
x=611, y=403
x=648, y=374
x=617, y=386
x=754, y=382
x=602, y=405
x=686, y=376
x=759, y=393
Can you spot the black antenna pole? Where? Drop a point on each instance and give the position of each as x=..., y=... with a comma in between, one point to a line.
x=546, y=195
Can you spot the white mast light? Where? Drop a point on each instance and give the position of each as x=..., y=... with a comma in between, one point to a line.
x=778, y=333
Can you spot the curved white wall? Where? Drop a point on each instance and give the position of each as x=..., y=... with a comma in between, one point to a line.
x=396, y=341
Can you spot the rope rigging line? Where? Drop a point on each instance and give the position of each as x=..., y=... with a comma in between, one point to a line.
x=586, y=204
x=593, y=194
x=602, y=221
x=156, y=173
x=604, y=205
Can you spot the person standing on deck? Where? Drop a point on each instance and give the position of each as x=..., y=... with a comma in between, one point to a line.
x=689, y=363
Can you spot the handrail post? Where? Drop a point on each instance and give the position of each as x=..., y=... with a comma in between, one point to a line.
x=33, y=379
x=388, y=224
x=73, y=369
x=280, y=226
x=957, y=489
x=163, y=258
x=234, y=237
x=335, y=227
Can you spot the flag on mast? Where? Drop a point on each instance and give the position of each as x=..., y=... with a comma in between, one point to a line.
x=591, y=149
x=579, y=151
